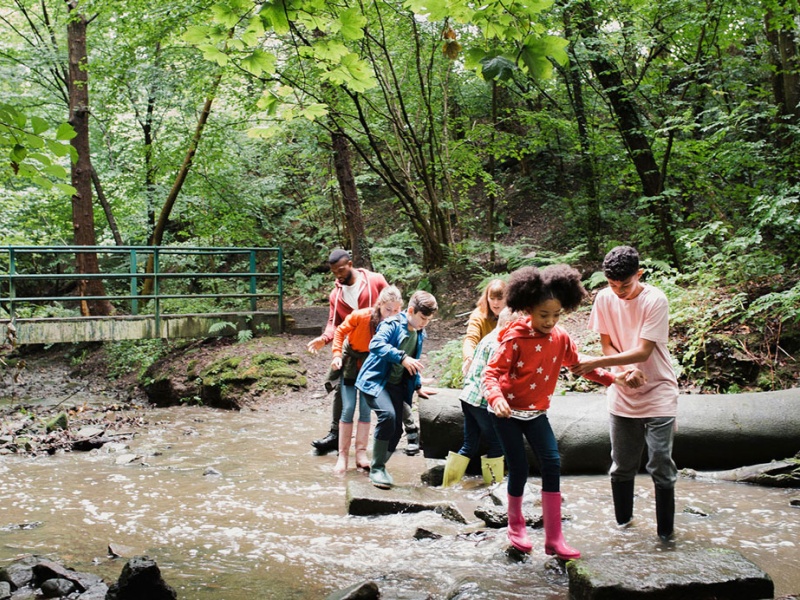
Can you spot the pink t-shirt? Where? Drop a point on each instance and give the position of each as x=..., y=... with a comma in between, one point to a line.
x=626, y=322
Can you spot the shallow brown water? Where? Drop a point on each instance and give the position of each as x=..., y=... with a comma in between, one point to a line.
x=273, y=524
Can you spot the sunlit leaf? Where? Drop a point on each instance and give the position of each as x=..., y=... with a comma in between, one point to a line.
x=65, y=132
x=68, y=190
x=259, y=62
x=314, y=111
x=39, y=125
x=352, y=24
x=196, y=34
x=214, y=54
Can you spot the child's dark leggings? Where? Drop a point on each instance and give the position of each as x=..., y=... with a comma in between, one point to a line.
x=512, y=433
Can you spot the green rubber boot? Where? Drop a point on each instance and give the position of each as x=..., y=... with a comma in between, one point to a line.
x=492, y=469
x=378, y=475
x=454, y=468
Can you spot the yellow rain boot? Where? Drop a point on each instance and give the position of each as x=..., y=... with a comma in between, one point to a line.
x=454, y=468
x=492, y=469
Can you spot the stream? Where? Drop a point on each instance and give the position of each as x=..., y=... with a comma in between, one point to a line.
x=270, y=520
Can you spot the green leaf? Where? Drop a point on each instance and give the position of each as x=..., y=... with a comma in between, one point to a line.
x=330, y=51
x=314, y=111
x=259, y=62
x=56, y=171
x=65, y=132
x=196, y=34
x=45, y=160
x=269, y=102
x=556, y=48
x=18, y=153
x=436, y=10
x=535, y=60
x=39, y=125
x=67, y=189
x=498, y=67
x=473, y=58
x=42, y=182
x=275, y=11
x=214, y=54
x=254, y=31
x=224, y=15
x=34, y=141
x=352, y=24
x=263, y=132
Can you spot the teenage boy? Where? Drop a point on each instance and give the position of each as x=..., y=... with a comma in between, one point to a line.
x=632, y=319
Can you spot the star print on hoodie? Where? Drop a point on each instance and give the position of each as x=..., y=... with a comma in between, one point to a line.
x=525, y=367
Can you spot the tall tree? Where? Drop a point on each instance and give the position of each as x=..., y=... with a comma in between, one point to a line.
x=82, y=207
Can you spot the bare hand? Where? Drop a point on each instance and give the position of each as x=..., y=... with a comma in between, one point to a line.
x=425, y=393
x=465, y=366
x=635, y=378
x=412, y=365
x=336, y=363
x=502, y=409
x=583, y=367
x=315, y=345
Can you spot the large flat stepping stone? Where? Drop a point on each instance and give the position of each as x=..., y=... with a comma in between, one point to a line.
x=669, y=575
x=364, y=499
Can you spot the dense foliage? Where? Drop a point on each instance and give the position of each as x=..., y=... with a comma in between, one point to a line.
x=493, y=136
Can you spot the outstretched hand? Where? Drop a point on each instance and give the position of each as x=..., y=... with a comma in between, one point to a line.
x=426, y=393
x=412, y=365
x=315, y=345
x=584, y=366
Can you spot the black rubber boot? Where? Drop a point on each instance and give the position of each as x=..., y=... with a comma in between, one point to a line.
x=665, y=512
x=622, y=492
x=329, y=443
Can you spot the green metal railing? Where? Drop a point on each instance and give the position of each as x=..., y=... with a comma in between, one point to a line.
x=122, y=269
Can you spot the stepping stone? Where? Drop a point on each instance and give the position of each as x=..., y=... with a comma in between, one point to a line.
x=364, y=499
x=669, y=575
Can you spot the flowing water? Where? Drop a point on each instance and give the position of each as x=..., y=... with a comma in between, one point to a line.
x=272, y=523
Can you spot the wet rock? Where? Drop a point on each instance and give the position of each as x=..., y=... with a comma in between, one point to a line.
x=5, y=590
x=677, y=575
x=56, y=588
x=425, y=534
x=364, y=499
x=497, y=517
x=211, y=471
x=778, y=473
x=141, y=578
x=794, y=502
x=58, y=422
x=366, y=590
x=46, y=569
x=121, y=551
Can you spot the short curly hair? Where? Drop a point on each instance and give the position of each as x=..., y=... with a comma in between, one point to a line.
x=529, y=287
x=620, y=263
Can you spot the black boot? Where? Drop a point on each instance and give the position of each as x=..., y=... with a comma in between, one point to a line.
x=665, y=512
x=622, y=492
x=327, y=444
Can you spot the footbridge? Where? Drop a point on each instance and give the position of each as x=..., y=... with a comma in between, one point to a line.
x=152, y=292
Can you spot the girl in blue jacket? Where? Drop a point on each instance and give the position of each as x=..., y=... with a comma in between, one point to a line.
x=391, y=374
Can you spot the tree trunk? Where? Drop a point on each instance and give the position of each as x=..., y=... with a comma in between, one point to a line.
x=101, y=197
x=594, y=222
x=82, y=209
x=180, y=178
x=354, y=221
x=786, y=75
x=629, y=123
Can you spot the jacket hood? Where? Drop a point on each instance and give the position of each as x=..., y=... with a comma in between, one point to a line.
x=521, y=328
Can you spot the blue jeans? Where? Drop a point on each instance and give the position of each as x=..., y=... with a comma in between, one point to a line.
x=351, y=395
x=477, y=424
x=388, y=406
x=512, y=434
x=628, y=439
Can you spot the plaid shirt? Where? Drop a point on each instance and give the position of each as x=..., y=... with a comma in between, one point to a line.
x=472, y=392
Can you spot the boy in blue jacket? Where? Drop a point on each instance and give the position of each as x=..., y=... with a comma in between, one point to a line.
x=390, y=376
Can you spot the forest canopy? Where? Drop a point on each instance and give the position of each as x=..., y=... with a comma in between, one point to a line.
x=497, y=134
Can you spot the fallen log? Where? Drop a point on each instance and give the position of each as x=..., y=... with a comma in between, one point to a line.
x=715, y=431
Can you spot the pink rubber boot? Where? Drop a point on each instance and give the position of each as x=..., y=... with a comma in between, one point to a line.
x=553, y=538
x=517, y=532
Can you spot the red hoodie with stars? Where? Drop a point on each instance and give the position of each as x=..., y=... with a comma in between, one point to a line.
x=525, y=367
